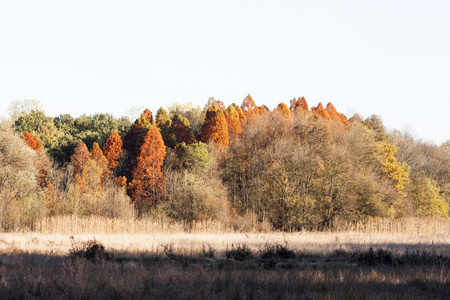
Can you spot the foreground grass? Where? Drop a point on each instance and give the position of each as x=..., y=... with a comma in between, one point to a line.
x=175, y=276
x=391, y=262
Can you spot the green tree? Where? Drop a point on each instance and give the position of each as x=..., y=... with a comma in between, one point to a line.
x=164, y=124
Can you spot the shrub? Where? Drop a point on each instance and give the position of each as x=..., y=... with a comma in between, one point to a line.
x=91, y=250
x=277, y=251
x=239, y=253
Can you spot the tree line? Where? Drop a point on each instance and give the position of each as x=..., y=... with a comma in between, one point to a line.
x=293, y=167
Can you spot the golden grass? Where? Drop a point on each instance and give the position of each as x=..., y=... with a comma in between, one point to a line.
x=145, y=236
x=36, y=264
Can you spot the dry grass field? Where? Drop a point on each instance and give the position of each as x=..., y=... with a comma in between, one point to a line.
x=160, y=261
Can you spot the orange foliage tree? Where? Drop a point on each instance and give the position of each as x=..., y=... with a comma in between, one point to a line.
x=183, y=130
x=355, y=119
x=249, y=106
x=262, y=110
x=284, y=110
x=148, y=185
x=299, y=105
x=321, y=112
x=241, y=115
x=112, y=149
x=31, y=140
x=148, y=115
x=96, y=152
x=215, y=128
x=233, y=122
x=218, y=103
x=335, y=115
x=34, y=144
x=135, y=136
x=101, y=161
x=79, y=157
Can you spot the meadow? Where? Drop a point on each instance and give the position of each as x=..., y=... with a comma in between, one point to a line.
x=81, y=258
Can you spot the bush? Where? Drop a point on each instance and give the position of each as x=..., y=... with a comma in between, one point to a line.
x=379, y=257
x=239, y=253
x=277, y=251
x=91, y=250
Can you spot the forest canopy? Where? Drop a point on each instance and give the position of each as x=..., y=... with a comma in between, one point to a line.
x=294, y=167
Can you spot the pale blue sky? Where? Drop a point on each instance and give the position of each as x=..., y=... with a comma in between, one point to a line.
x=390, y=58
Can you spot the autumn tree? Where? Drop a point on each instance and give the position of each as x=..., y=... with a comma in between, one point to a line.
x=299, y=105
x=262, y=110
x=321, y=112
x=19, y=197
x=215, y=128
x=80, y=156
x=335, y=115
x=164, y=124
x=194, y=113
x=101, y=161
x=148, y=115
x=148, y=185
x=218, y=103
x=375, y=123
x=182, y=129
x=135, y=137
x=284, y=110
x=31, y=141
x=96, y=152
x=112, y=149
x=397, y=172
x=427, y=198
x=356, y=119
x=241, y=115
x=249, y=107
x=233, y=120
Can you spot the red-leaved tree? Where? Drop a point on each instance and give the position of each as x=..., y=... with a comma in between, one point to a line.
x=249, y=106
x=31, y=140
x=182, y=129
x=96, y=152
x=215, y=128
x=135, y=136
x=148, y=115
x=112, y=149
x=80, y=156
x=321, y=112
x=148, y=185
x=335, y=115
x=299, y=105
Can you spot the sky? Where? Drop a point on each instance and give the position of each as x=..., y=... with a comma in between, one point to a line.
x=389, y=58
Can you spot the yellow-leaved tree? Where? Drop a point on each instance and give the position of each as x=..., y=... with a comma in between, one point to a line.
x=396, y=172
